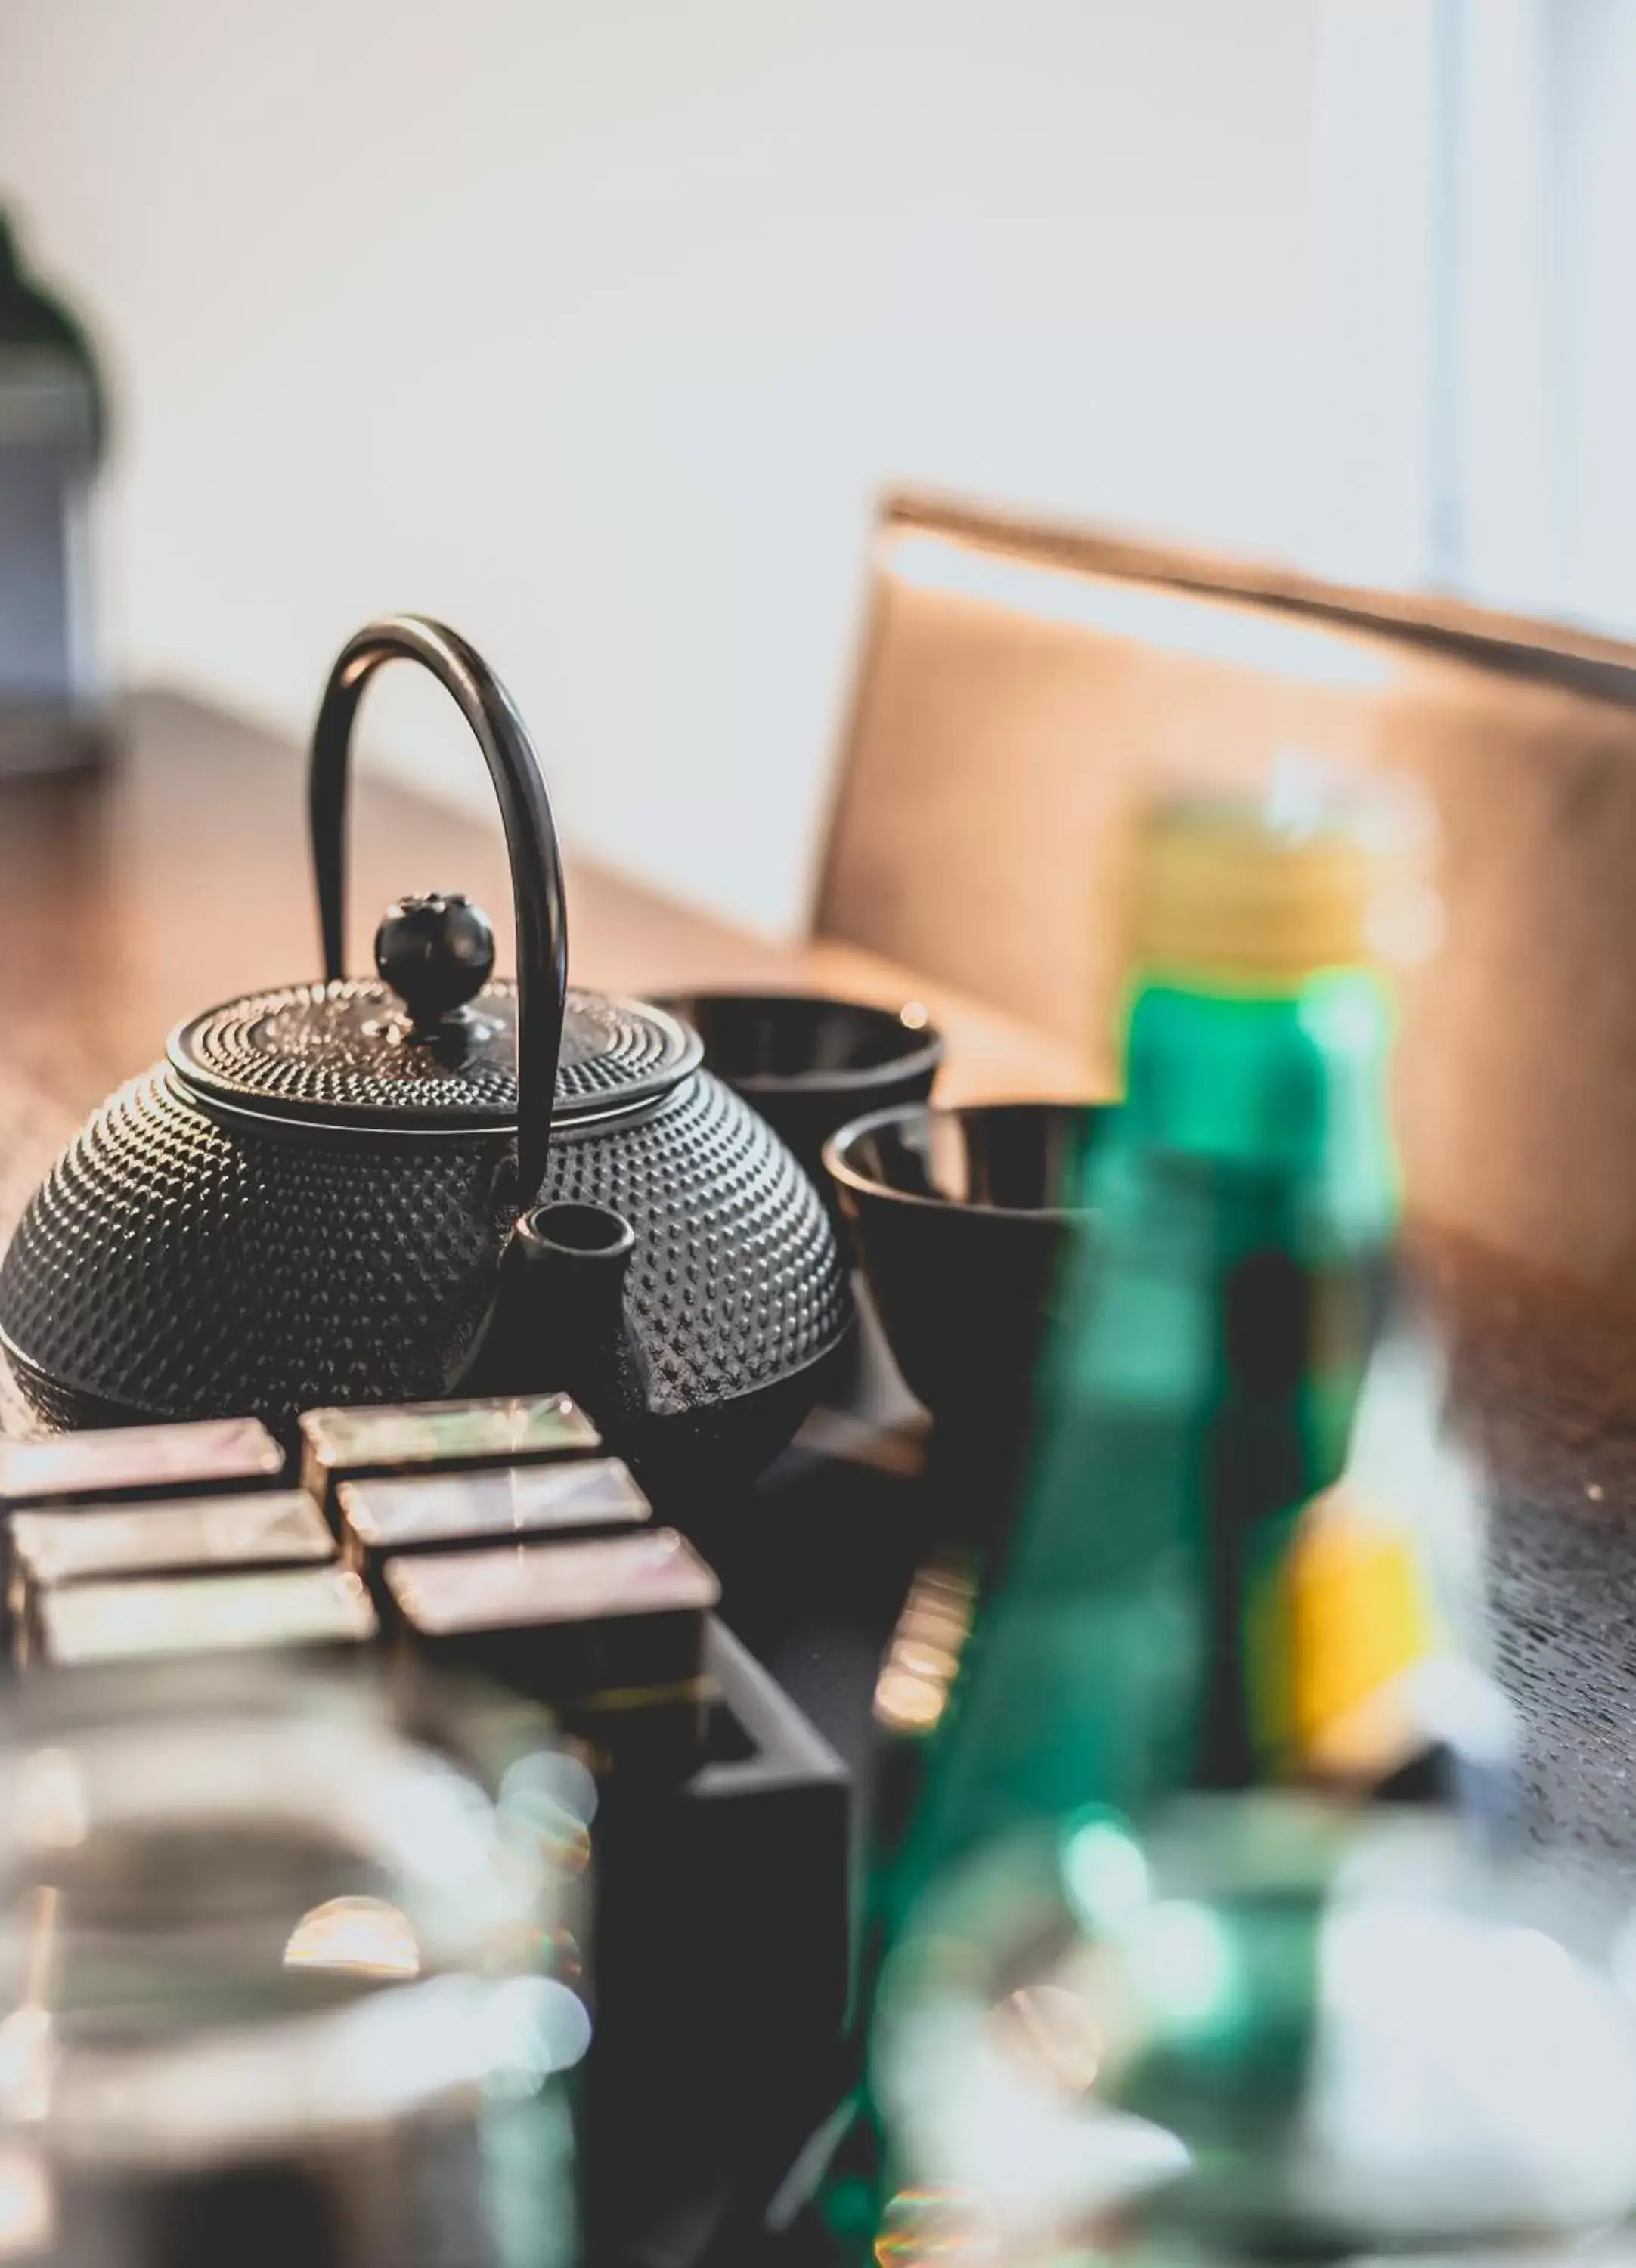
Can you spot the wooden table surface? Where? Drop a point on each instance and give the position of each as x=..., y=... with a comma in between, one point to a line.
x=181, y=877
x=178, y=878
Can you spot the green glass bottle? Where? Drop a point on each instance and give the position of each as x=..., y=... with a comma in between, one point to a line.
x=1144, y=1636
x=1256, y=1036
x=1217, y=1327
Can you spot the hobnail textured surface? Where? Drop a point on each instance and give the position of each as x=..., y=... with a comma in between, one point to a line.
x=169, y=1265
x=307, y=1049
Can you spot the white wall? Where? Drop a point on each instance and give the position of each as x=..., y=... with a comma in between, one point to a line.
x=595, y=326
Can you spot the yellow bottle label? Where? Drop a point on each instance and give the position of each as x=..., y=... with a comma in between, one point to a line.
x=1339, y=1631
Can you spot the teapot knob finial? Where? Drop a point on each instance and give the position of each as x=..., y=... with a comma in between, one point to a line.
x=436, y=952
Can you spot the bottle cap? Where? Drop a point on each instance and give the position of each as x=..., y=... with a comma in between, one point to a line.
x=1275, y=887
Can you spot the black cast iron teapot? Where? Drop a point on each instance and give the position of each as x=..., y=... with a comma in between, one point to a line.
x=395, y=1189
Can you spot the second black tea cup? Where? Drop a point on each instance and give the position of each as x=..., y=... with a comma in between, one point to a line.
x=964, y=1219
x=810, y=1062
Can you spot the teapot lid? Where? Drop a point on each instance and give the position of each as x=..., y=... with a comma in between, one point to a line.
x=346, y=1053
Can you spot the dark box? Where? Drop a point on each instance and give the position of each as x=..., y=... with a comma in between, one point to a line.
x=721, y=1967
x=609, y=1632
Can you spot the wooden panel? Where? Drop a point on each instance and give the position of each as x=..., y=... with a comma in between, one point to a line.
x=1014, y=709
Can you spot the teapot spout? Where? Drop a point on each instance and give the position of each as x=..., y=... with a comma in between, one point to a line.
x=559, y=1323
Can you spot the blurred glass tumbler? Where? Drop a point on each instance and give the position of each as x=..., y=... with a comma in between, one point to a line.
x=808, y=1063
x=284, y=1986
x=1267, y=2029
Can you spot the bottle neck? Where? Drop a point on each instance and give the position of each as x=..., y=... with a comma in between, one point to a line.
x=1293, y=1080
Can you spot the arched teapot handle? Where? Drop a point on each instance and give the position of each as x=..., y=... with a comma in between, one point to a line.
x=530, y=839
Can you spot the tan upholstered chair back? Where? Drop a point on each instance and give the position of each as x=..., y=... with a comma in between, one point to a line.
x=1020, y=688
